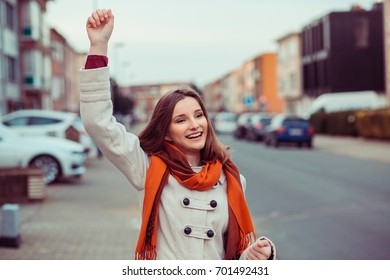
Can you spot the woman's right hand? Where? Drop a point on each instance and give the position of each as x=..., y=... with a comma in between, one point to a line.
x=99, y=28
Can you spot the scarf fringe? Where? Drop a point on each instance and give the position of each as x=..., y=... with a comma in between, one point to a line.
x=148, y=252
x=245, y=242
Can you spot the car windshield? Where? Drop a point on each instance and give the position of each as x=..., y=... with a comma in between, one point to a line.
x=19, y=121
x=43, y=121
x=266, y=121
x=294, y=121
x=229, y=117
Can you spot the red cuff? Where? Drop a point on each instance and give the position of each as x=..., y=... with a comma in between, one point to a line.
x=96, y=61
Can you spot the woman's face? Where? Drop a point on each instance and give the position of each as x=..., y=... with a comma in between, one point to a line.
x=188, y=127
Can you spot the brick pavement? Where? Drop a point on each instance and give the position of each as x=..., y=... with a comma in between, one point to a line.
x=93, y=218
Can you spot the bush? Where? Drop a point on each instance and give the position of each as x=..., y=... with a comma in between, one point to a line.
x=341, y=123
x=336, y=123
x=374, y=123
x=318, y=121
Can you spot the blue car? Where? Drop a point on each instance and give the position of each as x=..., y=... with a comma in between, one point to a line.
x=289, y=129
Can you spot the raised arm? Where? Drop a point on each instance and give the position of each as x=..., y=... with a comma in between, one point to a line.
x=96, y=109
x=99, y=28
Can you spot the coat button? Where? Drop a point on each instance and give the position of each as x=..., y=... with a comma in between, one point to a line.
x=187, y=230
x=210, y=233
x=186, y=201
x=213, y=203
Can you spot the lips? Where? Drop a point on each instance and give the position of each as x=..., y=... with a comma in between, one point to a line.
x=194, y=135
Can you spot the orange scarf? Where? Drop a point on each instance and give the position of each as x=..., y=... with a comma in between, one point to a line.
x=172, y=161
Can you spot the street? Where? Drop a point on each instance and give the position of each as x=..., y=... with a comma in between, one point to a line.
x=312, y=204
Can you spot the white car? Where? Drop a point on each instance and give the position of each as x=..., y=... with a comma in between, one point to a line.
x=59, y=158
x=50, y=123
x=225, y=122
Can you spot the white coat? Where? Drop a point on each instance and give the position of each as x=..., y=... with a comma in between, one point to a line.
x=191, y=223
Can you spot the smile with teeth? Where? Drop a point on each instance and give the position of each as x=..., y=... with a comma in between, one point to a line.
x=195, y=135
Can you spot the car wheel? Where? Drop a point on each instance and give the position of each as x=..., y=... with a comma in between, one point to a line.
x=310, y=144
x=49, y=165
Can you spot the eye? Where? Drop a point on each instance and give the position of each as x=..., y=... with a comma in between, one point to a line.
x=200, y=115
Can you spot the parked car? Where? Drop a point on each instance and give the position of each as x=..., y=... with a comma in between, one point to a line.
x=59, y=158
x=257, y=125
x=289, y=128
x=242, y=125
x=50, y=123
x=225, y=122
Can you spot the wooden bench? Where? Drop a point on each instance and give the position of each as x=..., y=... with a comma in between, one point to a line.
x=21, y=184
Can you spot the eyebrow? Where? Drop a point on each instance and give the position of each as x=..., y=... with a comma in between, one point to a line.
x=183, y=115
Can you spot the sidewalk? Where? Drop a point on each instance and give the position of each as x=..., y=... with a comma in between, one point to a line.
x=358, y=147
x=95, y=218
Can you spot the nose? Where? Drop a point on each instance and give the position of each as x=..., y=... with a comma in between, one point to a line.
x=194, y=125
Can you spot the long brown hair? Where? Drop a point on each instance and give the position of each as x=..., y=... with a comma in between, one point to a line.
x=152, y=137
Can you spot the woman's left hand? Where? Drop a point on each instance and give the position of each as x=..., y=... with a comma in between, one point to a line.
x=260, y=250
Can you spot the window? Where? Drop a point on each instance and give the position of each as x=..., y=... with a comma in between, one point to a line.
x=11, y=69
x=16, y=121
x=41, y=120
x=10, y=16
x=57, y=51
x=30, y=20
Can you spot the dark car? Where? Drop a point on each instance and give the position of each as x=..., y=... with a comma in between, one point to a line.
x=289, y=129
x=243, y=122
x=257, y=125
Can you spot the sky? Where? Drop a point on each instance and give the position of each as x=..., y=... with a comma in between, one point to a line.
x=199, y=41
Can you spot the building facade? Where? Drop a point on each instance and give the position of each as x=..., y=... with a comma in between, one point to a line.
x=35, y=54
x=344, y=51
x=38, y=68
x=58, y=93
x=65, y=63
x=289, y=74
x=250, y=88
x=10, y=97
x=267, y=98
x=145, y=97
x=212, y=97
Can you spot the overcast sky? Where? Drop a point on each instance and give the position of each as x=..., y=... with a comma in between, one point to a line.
x=188, y=40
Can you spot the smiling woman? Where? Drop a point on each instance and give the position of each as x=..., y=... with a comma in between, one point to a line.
x=188, y=127
x=192, y=193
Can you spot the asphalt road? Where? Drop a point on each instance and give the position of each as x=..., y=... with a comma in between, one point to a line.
x=314, y=204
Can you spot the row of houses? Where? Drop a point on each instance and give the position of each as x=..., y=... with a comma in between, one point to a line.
x=339, y=52
x=38, y=65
